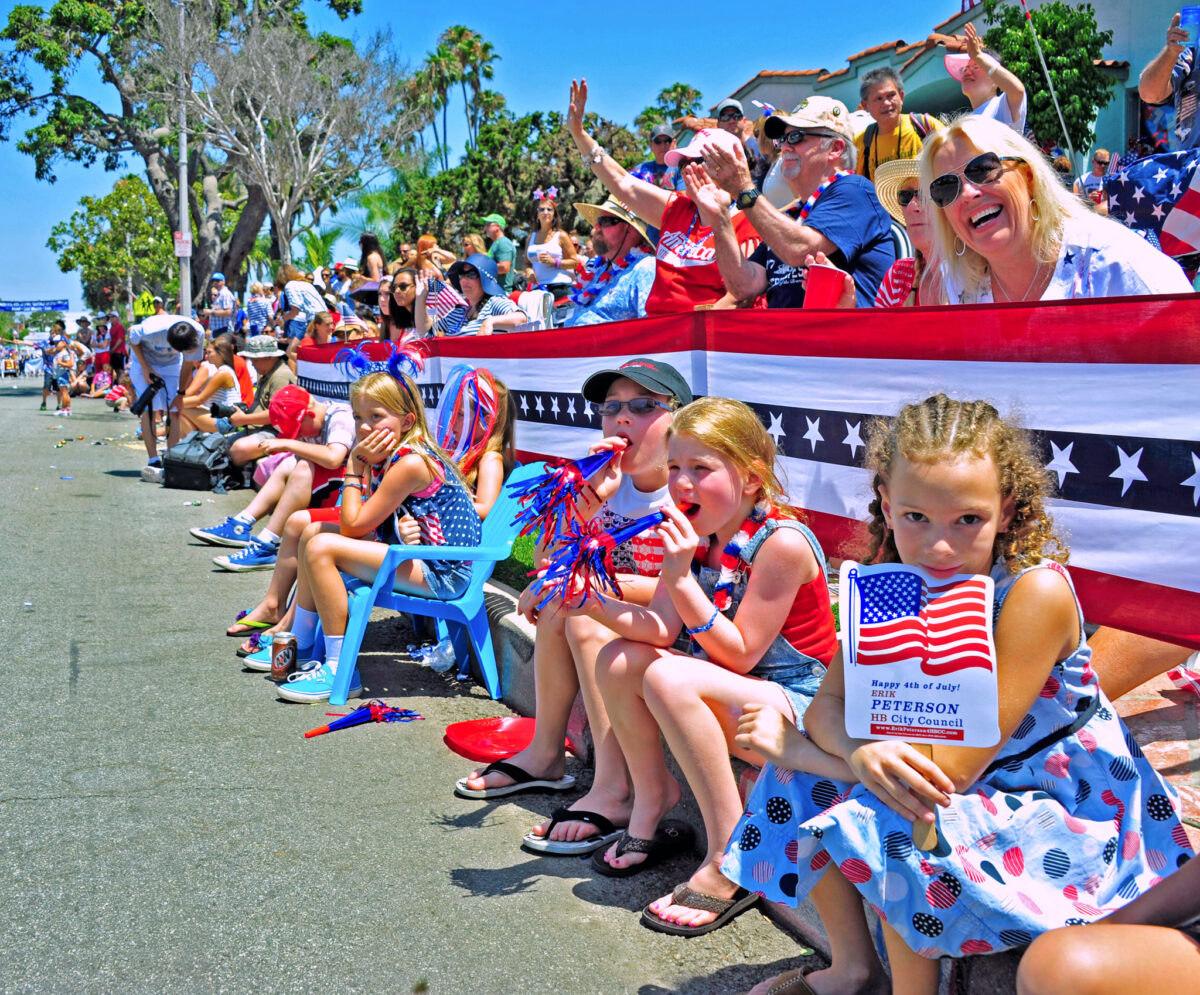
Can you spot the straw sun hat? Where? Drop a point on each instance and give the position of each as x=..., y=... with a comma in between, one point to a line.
x=614, y=207
x=889, y=178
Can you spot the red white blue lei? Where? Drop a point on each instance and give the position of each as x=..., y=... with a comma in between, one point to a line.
x=582, y=294
x=812, y=201
x=733, y=567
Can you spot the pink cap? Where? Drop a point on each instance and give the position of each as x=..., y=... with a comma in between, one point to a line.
x=956, y=64
x=705, y=136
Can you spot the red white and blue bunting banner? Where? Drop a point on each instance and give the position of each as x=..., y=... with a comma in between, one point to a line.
x=1111, y=388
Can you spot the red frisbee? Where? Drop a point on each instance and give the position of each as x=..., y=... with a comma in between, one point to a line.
x=486, y=740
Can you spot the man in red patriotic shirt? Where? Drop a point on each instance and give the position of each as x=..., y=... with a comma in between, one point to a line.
x=686, y=273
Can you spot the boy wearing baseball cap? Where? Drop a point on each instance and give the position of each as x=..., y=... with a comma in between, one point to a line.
x=634, y=401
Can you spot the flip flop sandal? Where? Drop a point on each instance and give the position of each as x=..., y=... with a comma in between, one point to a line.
x=523, y=782
x=572, y=848
x=246, y=627
x=726, y=909
x=671, y=838
x=790, y=983
x=256, y=642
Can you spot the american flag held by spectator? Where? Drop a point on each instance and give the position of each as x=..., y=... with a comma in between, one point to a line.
x=895, y=615
x=448, y=305
x=1157, y=197
x=919, y=659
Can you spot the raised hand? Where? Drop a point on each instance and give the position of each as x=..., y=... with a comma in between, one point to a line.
x=710, y=200
x=577, y=107
x=730, y=172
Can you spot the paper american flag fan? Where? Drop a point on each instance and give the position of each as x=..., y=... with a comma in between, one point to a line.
x=918, y=656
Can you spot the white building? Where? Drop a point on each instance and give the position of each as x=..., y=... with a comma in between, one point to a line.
x=1138, y=35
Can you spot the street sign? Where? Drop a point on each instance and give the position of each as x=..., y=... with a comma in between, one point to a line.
x=25, y=307
x=183, y=246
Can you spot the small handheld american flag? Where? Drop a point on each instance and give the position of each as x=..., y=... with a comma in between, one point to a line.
x=448, y=305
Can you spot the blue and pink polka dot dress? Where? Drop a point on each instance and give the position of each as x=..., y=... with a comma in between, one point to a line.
x=1060, y=830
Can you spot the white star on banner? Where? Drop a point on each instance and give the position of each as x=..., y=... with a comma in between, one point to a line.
x=853, y=438
x=1160, y=175
x=537, y=403
x=1128, y=471
x=776, y=430
x=554, y=407
x=1061, y=464
x=571, y=407
x=524, y=405
x=1194, y=480
x=813, y=435
x=1138, y=194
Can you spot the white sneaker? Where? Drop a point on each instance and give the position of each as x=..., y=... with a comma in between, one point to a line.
x=152, y=474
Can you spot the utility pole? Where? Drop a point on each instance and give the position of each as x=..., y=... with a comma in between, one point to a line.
x=184, y=244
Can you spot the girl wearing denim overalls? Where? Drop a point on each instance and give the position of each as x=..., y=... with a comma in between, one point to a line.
x=746, y=584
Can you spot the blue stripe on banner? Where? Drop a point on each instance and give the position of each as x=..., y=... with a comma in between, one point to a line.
x=1139, y=473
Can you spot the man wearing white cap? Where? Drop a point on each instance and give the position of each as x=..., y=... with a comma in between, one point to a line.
x=835, y=212
x=686, y=273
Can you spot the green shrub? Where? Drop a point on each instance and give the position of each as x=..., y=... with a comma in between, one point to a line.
x=515, y=570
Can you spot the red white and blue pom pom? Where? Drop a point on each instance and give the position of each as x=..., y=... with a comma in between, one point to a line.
x=548, y=502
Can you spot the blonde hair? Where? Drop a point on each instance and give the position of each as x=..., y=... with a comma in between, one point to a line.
x=475, y=241
x=1056, y=205
x=733, y=430
x=401, y=397
x=941, y=429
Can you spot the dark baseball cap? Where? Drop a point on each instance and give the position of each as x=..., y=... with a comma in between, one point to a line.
x=653, y=374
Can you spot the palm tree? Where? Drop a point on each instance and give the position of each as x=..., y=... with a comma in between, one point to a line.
x=441, y=67
x=475, y=59
x=679, y=100
x=318, y=247
x=260, y=256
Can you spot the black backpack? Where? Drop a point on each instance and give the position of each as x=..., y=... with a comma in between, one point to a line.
x=198, y=462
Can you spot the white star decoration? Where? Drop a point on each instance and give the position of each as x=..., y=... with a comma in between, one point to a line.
x=571, y=407
x=524, y=405
x=1061, y=463
x=813, y=435
x=776, y=431
x=1128, y=471
x=853, y=438
x=1194, y=480
x=1160, y=175
x=537, y=403
x=554, y=407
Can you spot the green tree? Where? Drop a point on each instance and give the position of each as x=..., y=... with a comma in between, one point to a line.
x=1072, y=42
x=674, y=101
x=318, y=247
x=119, y=241
x=49, y=59
x=475, y=58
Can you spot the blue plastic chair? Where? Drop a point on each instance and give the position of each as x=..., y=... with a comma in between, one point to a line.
x=467, y=613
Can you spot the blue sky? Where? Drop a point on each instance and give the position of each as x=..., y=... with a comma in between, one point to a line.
x=626, y=62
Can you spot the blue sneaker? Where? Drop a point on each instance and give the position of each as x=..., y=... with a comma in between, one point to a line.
x=257, y=555
x=230, y=532
x=260, y=660
x=315, y=685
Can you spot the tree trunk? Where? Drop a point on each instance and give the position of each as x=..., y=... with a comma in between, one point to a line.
x=241, y=242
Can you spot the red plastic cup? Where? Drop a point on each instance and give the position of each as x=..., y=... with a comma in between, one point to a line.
x=823, y=288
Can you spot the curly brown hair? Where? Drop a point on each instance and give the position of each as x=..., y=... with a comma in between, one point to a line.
x=940, y=427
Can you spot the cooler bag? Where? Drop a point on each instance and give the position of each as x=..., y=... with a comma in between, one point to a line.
x=198, y=462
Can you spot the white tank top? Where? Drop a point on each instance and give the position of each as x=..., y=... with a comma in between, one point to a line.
x=227, y=395
x=546, y=274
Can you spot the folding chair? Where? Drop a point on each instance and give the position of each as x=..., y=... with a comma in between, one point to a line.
x=467, y=613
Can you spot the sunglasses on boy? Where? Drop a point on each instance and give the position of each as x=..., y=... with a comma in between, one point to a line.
x=983, y=170
x=662, y=140
x=730, y=116
x=636, y=406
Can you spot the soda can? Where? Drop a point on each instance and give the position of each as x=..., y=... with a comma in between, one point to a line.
x=283, y=656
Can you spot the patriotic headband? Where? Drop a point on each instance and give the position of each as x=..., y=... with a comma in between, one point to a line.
x=372, y=356
x=468, y=399
x=551, y=194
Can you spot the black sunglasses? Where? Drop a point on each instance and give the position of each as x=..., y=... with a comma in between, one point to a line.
x=983, y=170
x=908, y=195
x=400, y=287
x=608, y=221
x=795, y=136
x=636, y=406
x=661, y=140
x=730, y=116
x=470, y=274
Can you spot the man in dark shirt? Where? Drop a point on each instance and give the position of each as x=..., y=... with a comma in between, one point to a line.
x=835, y=212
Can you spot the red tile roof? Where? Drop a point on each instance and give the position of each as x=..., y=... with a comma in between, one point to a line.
x=878, y=48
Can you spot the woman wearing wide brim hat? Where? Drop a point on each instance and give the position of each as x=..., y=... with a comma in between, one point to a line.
x=487, y=310
x=897, y=185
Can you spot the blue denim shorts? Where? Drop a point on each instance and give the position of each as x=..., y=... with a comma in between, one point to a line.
x=446, y=579
x=796, y=673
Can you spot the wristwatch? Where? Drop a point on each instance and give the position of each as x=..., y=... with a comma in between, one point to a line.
x=747, y=198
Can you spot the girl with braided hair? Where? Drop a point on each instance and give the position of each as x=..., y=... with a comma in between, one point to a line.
x=1061, y=822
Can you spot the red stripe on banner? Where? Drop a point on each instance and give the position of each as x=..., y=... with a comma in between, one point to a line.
x=1126, y=330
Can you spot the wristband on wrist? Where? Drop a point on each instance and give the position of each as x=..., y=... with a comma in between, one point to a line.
x=352, y=483
x=593, y=158
x=706, y=626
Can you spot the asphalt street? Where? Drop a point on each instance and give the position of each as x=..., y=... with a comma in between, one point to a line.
x=165, y=827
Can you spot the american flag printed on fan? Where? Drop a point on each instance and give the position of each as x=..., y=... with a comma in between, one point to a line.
x=897, y=615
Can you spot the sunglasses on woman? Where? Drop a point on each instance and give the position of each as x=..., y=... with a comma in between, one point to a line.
x=399, y=288
x=636, y=406
x=983, y=170
x=908, y=195
x=470, y=274
x=729, y=116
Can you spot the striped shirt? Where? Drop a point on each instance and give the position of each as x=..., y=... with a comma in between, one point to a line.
x=898, y=283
